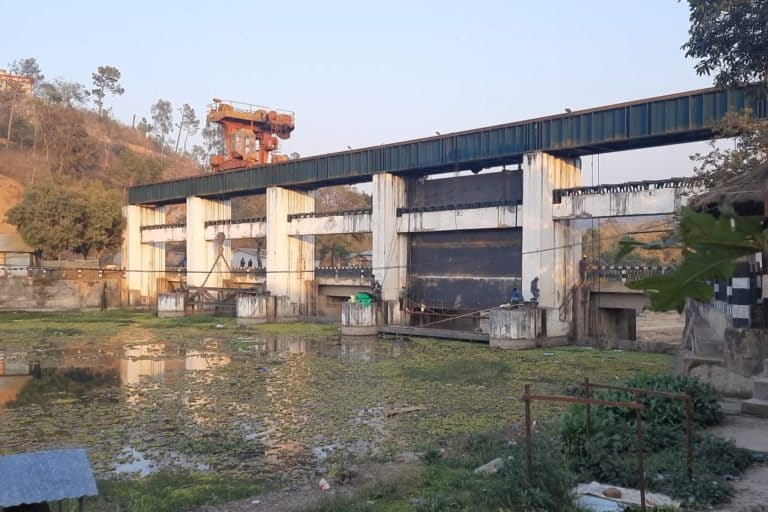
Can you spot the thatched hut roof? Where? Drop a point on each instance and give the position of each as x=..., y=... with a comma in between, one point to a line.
x=746, y=192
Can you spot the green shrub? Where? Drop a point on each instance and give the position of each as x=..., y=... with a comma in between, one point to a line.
x=609, y=455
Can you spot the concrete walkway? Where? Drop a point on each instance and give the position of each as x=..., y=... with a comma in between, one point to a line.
x=750, y=432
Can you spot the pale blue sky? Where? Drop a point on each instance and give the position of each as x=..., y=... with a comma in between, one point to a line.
x=363, y=73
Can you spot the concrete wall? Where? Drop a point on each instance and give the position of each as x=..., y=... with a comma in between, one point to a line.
x=551, y=250
x=144, y=263
x=622, y=204
x=358, y=319
x=203, y=262
x=494, y=217
x=330, y=224
x=515, y=328
x=171, y=305
x=59, y=294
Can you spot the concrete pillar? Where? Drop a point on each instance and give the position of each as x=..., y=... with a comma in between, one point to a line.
x=144, y=263
x=551, y=250
x=357, y=319
x=290, y=259
x=390, y=248
x=201, y=253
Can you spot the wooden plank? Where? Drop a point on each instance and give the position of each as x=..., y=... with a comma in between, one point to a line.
x=434, y=333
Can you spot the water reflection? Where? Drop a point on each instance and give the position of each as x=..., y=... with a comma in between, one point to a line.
x=75, y=373
x=351, y=348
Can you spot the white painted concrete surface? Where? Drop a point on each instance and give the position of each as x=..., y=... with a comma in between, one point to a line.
x=331, y=225
x=202, y=253
x=162, y=235
x=290, y=259
x=496, y=217
x=170, y=305
x=144, y=263
x=551, y=250
x=514, y=329
x=237, y=230
x=390, y=247
x=357, y=319
x=660, y=201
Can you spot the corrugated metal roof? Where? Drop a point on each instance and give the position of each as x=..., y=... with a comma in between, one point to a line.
x=13, y=243
x=52, y=475
x=672, y=119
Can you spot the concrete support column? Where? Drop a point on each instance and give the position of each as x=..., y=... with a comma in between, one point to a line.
x=201, y=253
x=290, y=259
x=551, y=250
x=144, y=263
x=390, y=248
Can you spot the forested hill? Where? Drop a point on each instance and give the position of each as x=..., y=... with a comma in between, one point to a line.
x=64, y=156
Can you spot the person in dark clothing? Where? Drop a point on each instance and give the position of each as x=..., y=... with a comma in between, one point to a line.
x=250, y=263
x=535, y=290
x=242, y=262
x=516, y=297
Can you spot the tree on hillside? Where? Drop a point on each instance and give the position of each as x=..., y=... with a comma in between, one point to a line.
x=103, y=227
x=213, y=140
x=132, y=169
x=106, y=80
x=730, y=39
x=188, y=122
x=63, y=92
x=27, y=67
x=55, y=219
x=144, y=127
x=68, y=147
x=162, y=116
x=14, y=94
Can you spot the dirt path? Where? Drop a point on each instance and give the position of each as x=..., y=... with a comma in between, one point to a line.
x=751, y=491
x=298, y=498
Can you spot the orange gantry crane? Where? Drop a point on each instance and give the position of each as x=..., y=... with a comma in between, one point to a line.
x=250, y=133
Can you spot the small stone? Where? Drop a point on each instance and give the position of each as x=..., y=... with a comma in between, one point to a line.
x=612, y=492
x=219, y=326
x=324, y=485
x=255, y=502
x=492, y=467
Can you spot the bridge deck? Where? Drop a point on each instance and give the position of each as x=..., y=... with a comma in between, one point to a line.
x=683, y=117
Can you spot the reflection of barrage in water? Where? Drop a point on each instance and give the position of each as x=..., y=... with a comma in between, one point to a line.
x=354, y=349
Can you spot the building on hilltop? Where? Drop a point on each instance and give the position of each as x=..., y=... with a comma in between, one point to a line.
x=20, y=83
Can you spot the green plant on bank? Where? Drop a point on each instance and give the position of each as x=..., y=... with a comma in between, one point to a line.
x=710, y=248
x=609, y=454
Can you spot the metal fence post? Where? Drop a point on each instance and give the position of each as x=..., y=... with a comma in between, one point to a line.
x=689, y=436
x=528, y=433
x=589, y=408
x=640, y=454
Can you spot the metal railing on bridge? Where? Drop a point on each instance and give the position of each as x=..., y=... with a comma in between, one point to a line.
x=627, y=273
x=630, y=186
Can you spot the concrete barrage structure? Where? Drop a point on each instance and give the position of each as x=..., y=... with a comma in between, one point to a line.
x=452, y=244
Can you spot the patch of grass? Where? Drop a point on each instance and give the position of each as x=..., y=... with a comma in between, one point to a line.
x=170, y=492
x=450, y=484
x=461, y=371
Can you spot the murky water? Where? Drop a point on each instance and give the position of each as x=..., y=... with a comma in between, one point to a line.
x=145, y=396
x=154, y=406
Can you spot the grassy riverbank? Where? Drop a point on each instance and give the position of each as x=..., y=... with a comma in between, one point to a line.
x=263, y=406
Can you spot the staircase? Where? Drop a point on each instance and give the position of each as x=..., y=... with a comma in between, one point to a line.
x=758, y=404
